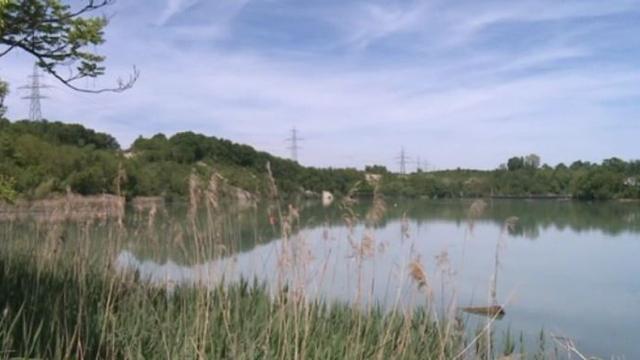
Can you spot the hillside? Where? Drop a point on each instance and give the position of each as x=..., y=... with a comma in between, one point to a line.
x=44, y=158
x=40, y=159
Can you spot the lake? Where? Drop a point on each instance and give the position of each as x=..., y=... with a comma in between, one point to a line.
x=568, y=268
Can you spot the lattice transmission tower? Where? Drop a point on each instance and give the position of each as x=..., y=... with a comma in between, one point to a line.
x=403, y=159
x=294, y=145
x=35, y=94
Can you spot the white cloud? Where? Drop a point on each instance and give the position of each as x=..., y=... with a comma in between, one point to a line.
x=454, y=24
x=172, y=8
x=469, y=19
x=371, y=21
x=196, y=20
x=472, y=108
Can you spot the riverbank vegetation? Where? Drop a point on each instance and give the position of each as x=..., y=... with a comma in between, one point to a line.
x=65, y=297
x=41, y=159
x=73, y=310
x=63, y=294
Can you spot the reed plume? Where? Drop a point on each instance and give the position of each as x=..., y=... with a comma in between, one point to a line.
x=194, y=196
x=379, y=207
x=476, y=210
x=418, y=274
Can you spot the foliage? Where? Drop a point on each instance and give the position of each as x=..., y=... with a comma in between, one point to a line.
x=58, y=36
x=58, y=133
x=242, y=165
x=124, y=318
x=376, y=169
x=4, y=90
x=49, y=157
x=7, y=193
x=531, y=161
x=62, y=295
x=523, y=177
x=61, y=156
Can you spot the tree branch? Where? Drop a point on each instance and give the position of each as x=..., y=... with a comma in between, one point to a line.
x=51, y=52
x=7, y=50
x=49, y=68
x=87, y=8
x=122, y=85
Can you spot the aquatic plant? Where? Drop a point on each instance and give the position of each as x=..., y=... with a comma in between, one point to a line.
x=62, y=298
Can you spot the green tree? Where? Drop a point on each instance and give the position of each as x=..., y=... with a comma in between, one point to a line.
x=7, y=193
x=614, y=165
x=532, y=161
x=4, y=90
x=515, y=163
x=376, y=169
x=58, y=36
x=598, y=184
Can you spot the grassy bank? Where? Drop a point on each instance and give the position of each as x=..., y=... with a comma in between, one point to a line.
x=73, y=310
x=56, y=307
x=61, y=296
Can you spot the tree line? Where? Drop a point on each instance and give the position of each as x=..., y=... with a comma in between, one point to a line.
x=523, y=176
x=41, y=159
x=38, y=159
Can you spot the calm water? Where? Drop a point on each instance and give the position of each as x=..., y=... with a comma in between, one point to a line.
x=569, y=268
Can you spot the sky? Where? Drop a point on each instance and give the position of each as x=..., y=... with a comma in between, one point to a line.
x=455, y=83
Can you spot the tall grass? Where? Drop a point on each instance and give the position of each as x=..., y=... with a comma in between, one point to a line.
x=60, y=300
x=62, y=309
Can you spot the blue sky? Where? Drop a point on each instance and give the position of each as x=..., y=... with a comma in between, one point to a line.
x=457, y=83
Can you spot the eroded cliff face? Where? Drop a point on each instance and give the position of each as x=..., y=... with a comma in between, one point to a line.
x=75, y=207
x=69, y=207
x=217, y=191
x=242, y=198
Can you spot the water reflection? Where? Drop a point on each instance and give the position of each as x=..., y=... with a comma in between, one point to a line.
x=576, y=279
x=244, y=230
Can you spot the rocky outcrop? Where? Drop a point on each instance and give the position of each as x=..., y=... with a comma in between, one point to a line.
x=327, y=198
x=242, y=198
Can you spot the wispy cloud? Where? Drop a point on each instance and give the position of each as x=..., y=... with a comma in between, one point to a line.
x=450, y=24
x=482, y=15
x=198, y=19
x=371, y=21
x=172, y=8
x=464, y=84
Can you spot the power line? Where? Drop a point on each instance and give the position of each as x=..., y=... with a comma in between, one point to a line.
x=294, y=144
x=35, y=109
